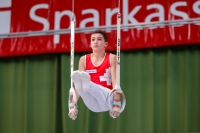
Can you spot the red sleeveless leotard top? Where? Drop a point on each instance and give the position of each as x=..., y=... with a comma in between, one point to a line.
x=99, y=74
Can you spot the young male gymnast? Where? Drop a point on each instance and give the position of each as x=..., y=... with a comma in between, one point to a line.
x=96, y=77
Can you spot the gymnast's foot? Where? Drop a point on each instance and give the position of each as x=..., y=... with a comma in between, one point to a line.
x=76, y=78
x=85, y=77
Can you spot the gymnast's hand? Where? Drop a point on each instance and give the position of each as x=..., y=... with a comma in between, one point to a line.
x=115, y=112
x=73, y=113
x=116, y=108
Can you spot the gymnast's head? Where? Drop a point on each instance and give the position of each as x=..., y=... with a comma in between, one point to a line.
x=103, y=33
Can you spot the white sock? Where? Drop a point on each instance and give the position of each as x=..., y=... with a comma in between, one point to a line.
x=76, y=79
x=85, y=77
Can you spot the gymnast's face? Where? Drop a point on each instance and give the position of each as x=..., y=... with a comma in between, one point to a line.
x=97, y=42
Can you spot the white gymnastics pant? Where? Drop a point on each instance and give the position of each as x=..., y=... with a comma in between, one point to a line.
x=96, y=97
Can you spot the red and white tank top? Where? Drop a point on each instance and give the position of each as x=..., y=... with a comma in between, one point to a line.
x=99, y=74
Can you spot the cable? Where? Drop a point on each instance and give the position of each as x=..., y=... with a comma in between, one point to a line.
x=72, y=94
x=48, y=14
x=118, y=48
x=117, y=86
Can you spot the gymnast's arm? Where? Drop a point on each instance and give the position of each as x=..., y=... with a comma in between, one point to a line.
x=71, y=113
x=116, y=109
x=113, y=75
x=81, y=67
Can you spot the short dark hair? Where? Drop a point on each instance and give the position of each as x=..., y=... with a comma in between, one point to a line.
x=101, y=32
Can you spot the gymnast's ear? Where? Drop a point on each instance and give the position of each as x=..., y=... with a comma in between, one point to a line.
x=106, y=44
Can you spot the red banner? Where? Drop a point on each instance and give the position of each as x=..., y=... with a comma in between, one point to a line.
x=41, y=15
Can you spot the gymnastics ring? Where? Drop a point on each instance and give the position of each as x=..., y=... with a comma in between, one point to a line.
x=117, y=89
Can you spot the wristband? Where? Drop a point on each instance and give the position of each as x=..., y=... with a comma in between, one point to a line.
x=117, y=103
x=71, y=105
